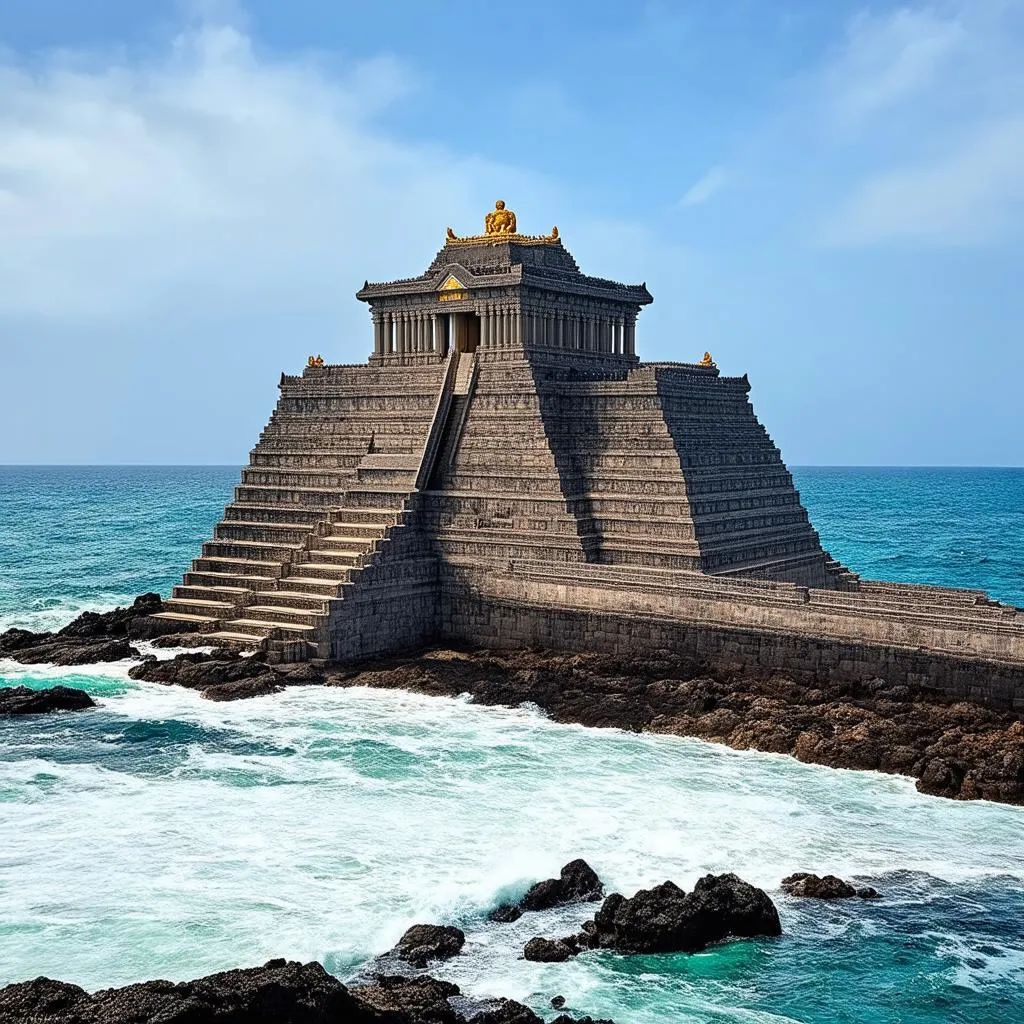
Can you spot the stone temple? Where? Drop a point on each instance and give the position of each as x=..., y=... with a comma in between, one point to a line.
x=504, y=470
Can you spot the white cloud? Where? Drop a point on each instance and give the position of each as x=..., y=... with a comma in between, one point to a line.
x=924, y=109
x=887, y=60
x=704, y=188
x=961, y=200
x=210, y=168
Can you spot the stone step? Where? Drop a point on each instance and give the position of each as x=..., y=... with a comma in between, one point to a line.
x=234, y=638
x=192, y=606
x=195, y=622
x=308, y=497
x=298, y=598
x=262, y=628
x=355, y=537
x=295, y=476
x=314, y=586
x=332, y=570
x=282, y=613
x=277, y=550
x=237, y=566
x=234, y=581
x=390, y=460
x=338, y=557
x=351, y=516
x=189, y=592
x=273, y=513
x=274, y=526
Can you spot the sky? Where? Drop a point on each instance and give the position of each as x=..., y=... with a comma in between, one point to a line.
x=827, y=196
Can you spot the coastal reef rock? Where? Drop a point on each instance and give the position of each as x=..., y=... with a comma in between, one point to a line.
x=827, y=887
x=225, y=675
x=667, y=920
x=550, y=951
x=425, y=942
x=280, y=991
x=92, y=638
x=20, y=700
x=577, y=883
x=955, y=749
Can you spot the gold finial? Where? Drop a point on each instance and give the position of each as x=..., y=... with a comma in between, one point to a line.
x=500, y=225
x=707, y=360
x=500, y=221
x=315, y=361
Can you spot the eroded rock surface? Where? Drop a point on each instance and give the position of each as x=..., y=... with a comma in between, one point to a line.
x=278, y=992
x=826, y=887
x=425, y=942
x=20, y=700
x=225, y=675
x=666, y=919
x=92, y=638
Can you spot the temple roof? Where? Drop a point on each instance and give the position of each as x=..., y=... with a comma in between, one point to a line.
x=506, y=258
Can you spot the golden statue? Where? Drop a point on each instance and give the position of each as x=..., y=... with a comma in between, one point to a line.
x=500, y=225
x=500, y=221
x=707, y=360
x=315, y=361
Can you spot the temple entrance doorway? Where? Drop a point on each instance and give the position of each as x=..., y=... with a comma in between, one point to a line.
x=465, y=331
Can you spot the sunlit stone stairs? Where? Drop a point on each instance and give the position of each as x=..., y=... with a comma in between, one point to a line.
x=329, y=482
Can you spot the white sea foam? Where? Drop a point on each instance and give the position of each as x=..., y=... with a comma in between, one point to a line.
x=321, y=822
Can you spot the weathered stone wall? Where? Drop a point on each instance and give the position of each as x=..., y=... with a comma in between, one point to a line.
x=393, y=603
x=487, y=612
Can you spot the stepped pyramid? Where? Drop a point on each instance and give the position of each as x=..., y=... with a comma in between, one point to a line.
x=502, y=420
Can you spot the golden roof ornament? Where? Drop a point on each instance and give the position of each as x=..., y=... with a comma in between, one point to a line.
x=500, y=226
x=707, y=360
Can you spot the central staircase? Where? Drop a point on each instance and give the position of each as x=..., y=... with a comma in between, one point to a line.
x=317, y=504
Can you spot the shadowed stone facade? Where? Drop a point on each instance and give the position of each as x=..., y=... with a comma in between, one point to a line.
x=504, y=465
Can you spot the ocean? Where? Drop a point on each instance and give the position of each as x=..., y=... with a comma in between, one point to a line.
x=162, y=835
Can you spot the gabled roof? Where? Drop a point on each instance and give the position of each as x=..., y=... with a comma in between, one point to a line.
x=495, y=263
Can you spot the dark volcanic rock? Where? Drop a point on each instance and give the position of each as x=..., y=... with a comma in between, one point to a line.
x=505, y=914
x=954, y=749
x=665, y=919
x=278, y=991
x=414, y=1000
x=241, y=689
x=94, y=625
x=425, y=942
x=505, y=1011
x=20, y=700
x=549, y=951
x=91, y=639
x=827, y=887
x=226, y=675
x=577, y=883
x=75, y=652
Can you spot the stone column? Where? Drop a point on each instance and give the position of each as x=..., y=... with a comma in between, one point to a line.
x=517, y=329
x=629, y=338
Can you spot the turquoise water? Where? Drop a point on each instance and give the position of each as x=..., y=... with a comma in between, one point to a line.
x=164, y=835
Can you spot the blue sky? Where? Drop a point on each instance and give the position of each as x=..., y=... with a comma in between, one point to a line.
x=828, y=196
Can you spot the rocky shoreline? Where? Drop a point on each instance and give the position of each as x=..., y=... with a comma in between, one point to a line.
x=394, y=988
x=959, y=750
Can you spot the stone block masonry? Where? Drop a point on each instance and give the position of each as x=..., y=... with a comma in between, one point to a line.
x=505, y=471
